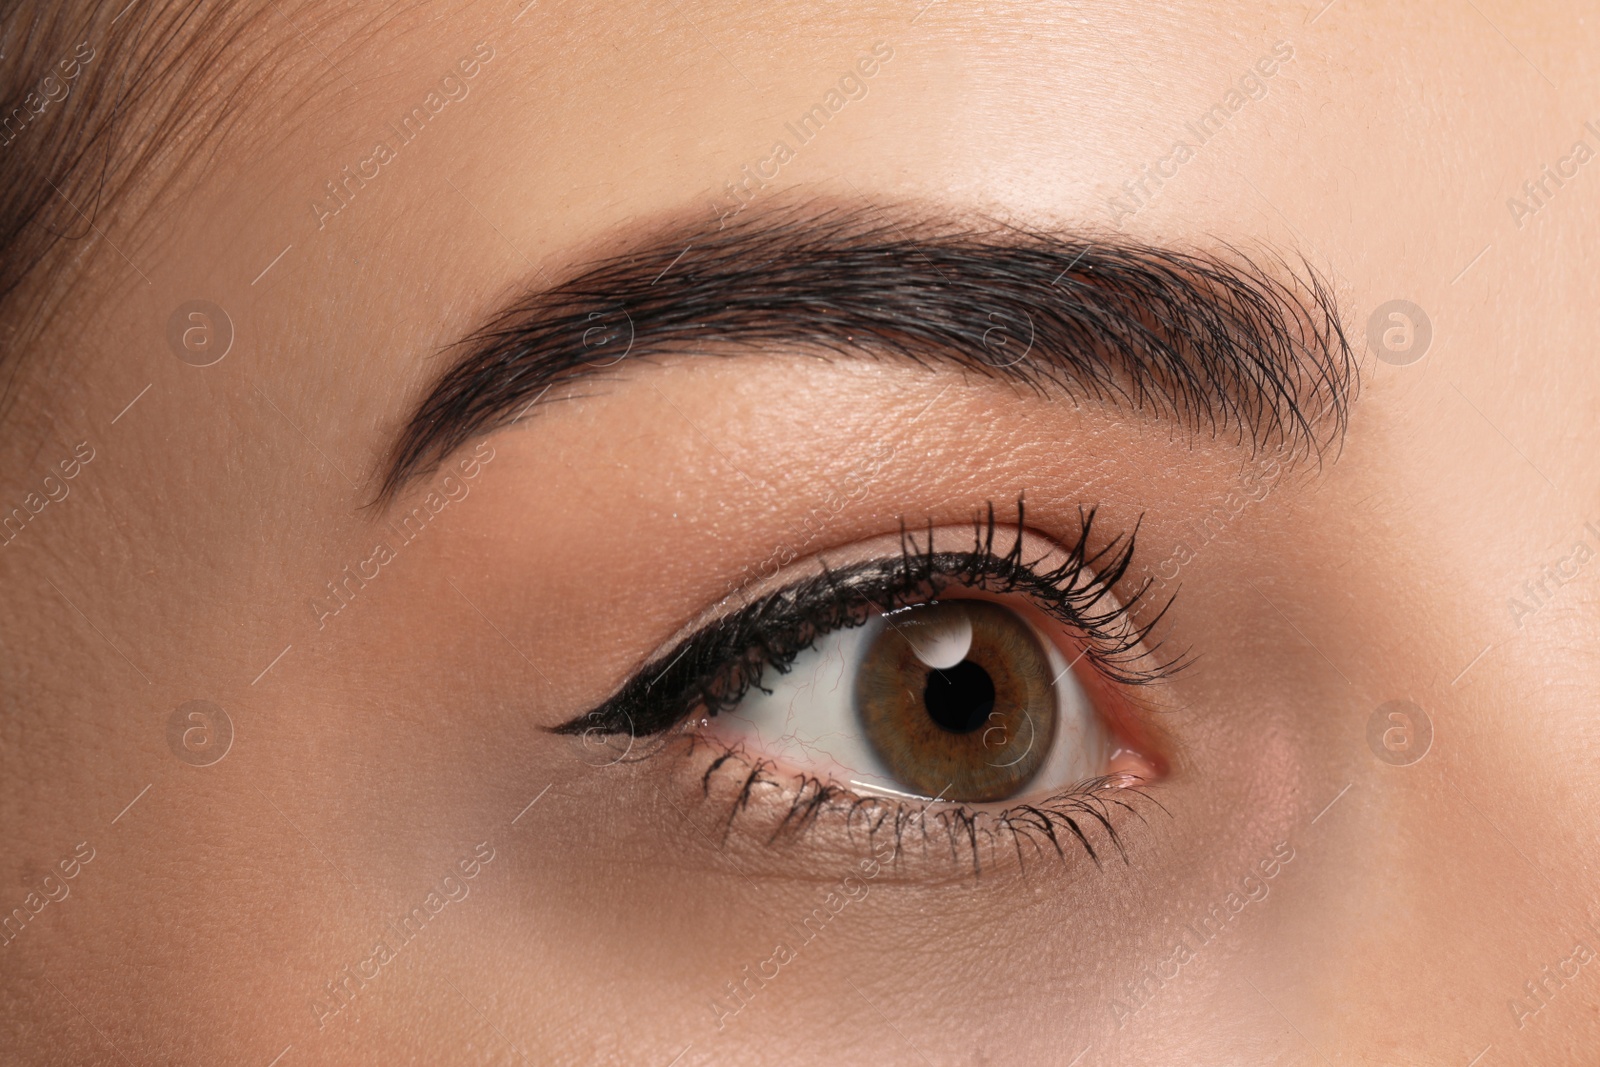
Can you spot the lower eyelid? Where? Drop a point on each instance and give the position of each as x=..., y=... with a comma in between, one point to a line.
x=805, y=827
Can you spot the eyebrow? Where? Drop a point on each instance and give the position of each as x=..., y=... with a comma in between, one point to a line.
x=1215, y=339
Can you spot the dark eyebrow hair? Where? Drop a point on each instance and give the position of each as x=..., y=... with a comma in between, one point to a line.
x=1214, y=339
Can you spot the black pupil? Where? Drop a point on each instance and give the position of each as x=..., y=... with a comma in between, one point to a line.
x=961, y=698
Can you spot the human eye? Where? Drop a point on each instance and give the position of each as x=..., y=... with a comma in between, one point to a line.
x=976, y=680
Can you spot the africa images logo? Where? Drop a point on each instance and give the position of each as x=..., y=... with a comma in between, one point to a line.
x=852, y=85
x=1136, y=193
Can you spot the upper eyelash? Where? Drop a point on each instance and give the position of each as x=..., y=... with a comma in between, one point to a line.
x=714, y=668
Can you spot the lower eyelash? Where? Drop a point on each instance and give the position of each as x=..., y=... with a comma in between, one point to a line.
x=1081, y=817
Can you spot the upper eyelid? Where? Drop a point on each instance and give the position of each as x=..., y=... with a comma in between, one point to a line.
x=611, y=714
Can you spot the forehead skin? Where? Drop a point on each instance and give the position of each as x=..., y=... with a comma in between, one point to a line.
x=373, y=750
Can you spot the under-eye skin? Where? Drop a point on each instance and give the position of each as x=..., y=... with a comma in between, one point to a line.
x=959, y=737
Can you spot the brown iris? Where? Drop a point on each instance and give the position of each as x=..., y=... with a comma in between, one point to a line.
x=956, y=699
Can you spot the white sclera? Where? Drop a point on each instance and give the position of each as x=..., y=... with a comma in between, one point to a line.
x=808, y=725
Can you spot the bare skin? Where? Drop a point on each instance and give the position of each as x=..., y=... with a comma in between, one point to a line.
x=1433, y=557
